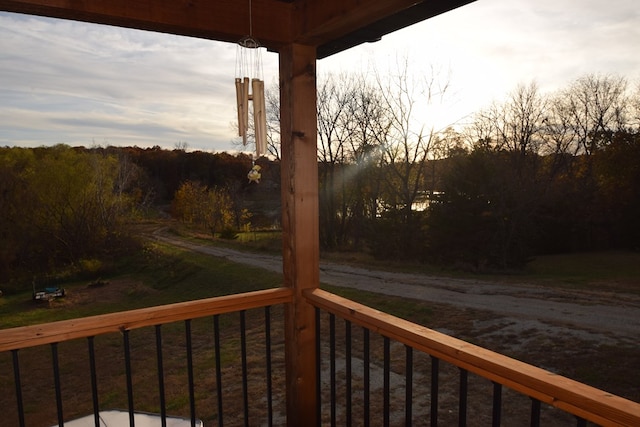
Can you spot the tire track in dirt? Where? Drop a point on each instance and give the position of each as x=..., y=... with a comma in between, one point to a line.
x=603, y=315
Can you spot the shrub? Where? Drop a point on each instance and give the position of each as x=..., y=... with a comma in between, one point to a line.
x=228, y=233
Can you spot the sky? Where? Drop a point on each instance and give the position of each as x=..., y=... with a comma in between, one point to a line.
x=66, y=82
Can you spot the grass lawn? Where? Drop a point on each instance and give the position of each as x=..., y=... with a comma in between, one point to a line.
x=163, y=275
x=610, y=271
x=616, y=271
x=159, y=275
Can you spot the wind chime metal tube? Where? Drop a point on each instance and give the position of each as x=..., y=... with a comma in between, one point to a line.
x=243, y=96
x=250, y=87
x=242, y=99
x=259, y=116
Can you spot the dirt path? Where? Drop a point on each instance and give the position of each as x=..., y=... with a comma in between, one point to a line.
x=603, y=317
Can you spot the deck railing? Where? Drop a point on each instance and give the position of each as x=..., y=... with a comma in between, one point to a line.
x=386, y=371
x=583, y=402
x=139, y=347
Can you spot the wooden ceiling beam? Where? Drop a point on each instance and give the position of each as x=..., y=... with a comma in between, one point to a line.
x=335, y=25
x=223, y=20
x=316, y=22
x=328, y=25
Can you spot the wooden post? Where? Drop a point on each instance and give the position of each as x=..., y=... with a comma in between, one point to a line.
x=300, y=234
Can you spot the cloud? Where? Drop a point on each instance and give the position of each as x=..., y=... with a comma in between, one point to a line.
x=491, y=46
x=66, y=81
x=149, y=88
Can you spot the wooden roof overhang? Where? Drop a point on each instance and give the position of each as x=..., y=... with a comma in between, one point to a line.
x=329, y=25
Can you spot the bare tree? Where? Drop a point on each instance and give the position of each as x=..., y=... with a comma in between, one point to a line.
x=594, y=107
x=272, y=105
x=634, y=106
x=335, y=128
x=509, y=173
x=369, y=124
x=513, y=125
x=408, y=143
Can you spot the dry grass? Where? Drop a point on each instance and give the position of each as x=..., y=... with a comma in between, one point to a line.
x=606, y=365
x=515, y=409
x=37, y=380
x=616, y=367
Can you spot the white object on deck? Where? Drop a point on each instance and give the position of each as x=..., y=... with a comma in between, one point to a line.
x=116, y=418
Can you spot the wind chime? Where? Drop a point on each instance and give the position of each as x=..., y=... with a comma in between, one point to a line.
x=250, y=87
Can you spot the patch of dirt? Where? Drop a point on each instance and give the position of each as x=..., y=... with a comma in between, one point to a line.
x=103, y=292
x=592, y=336
x=611, y=313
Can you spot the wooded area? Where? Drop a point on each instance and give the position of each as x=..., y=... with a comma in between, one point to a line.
x=536, y=174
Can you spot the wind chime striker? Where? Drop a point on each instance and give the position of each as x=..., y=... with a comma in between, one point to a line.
x=250, y=87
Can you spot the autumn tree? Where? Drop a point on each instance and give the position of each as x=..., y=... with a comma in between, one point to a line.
x=209, y=208
x=63, y=206
x=17, y=202
x=77, y=206
x=189, y=203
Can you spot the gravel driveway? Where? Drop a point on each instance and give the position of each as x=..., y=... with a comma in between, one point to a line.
x=590, y=315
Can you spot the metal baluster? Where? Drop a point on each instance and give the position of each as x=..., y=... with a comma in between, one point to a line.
x=192, y=397
x=318, y=371
x=161, y=390
x=94, y=381
x=127, y=365
x=267, y=338
x=216, y=335
x=387, y=388
x=462, y=408
x=243, y=352
x=497, y=404
x=435, y=370
x=347, y=333
x=366, y=374
x=332, y=366
x=18, y=384
x=535, y=412
x=56, y=379
x=408, y=398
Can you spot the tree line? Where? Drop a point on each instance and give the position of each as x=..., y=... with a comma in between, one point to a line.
x=60, y=207
x=537, y=173
x=66, y=210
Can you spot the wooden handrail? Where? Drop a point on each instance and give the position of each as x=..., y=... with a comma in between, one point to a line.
x=47, y=333
x=571, y=396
